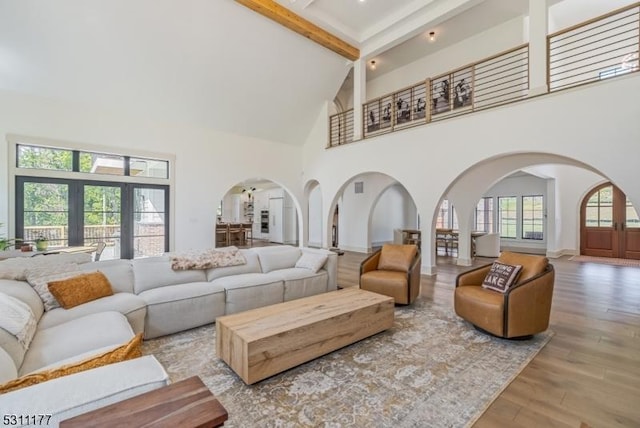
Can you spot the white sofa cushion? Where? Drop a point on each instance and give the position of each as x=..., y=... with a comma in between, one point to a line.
x=311, y=261
x=281, y=257
x=82, y=392
x=301, y=282
x=118, y=272
x=156, y=272
x=74, y=337
x=252, y=266
x=132, y=306
x=251, y=290
x=8, y=370
x=23, y=291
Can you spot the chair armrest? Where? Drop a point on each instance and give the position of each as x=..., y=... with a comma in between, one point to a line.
x=473, y=276
x=75, y=394
x=370, y=263
x=414, y=277
x=528, y=305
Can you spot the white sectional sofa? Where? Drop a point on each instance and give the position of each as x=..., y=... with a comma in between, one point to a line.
x=149, y=297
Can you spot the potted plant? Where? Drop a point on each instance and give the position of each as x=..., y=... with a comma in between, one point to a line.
x=42, y=243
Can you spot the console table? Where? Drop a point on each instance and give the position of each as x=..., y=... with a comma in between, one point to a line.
x=187, y=403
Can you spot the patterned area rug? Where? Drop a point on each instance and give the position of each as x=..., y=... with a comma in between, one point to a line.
x=430, y=369
x=606, y=260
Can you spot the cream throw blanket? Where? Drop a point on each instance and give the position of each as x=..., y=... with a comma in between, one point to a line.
x=17, y=318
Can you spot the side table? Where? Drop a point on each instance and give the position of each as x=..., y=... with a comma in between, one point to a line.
x=187, y=403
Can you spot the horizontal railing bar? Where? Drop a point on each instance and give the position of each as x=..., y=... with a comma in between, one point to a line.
x=482, y=85
x=589, y=80
x=480, y=68
x=604, y=24
x=615, y=60
x=518, y=61
x=634, y=38
x=592, y=42
x=484, y=92
x=522, y=87
x=556, y=67
x=596, y=19
x=580, y=74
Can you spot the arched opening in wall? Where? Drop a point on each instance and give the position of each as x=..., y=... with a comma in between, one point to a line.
x=256, y=212
x=447, y=230
x=314, y=214
x=525, y=202
x=609, y=224
x=369, y=210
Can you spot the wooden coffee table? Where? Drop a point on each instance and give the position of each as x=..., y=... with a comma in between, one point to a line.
x=262, y=342
x=187, y=403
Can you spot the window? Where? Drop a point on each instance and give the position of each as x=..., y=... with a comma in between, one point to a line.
x=633, y=221
x=442, y=222
x=82, y=197
x=599, y=210
x=507, y=217
x=484, y=215
x=533, y=217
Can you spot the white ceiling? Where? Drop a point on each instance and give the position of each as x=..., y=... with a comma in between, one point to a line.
x=216, y=64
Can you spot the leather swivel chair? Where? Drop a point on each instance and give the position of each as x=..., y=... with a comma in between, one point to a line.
x=394, y=271
x=522, y=311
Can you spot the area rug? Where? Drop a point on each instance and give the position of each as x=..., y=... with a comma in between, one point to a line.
x=431, y=369
x=606, y=260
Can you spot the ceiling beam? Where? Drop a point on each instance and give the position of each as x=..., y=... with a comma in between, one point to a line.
x=292, y=21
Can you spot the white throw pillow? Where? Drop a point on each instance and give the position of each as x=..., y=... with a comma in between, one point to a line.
x=312, y=261
x=40, y=277
x=18, y=319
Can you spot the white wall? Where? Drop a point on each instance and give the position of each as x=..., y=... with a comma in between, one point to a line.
x=207, y=164
x=483, y=45
x=315, y=217
x=394, y=210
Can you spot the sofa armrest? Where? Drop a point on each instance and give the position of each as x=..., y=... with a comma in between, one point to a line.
x=72, y=395
x=331, y=266
x=370, y=263
x=473, y=277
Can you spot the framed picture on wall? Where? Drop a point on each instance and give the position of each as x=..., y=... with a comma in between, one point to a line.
x=386, y=111
x=462, y=90
x=403, y=106
x=419, y=96
x=372, y=116
x=440, y=94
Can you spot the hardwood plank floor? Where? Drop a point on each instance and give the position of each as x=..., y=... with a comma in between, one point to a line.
x=589, y=373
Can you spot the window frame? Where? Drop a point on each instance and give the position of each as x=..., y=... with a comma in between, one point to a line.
x=499, y=217
x=522, y=219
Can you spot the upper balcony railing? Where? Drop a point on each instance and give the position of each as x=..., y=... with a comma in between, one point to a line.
x=603, y=47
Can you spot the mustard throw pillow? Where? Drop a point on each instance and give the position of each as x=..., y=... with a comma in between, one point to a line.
x=128, y=351
x=80, y=289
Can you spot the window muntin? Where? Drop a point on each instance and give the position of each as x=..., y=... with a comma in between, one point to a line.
x=507, y=216
x=44, y=158
x=148, y=168
x=599, y=209
x=484, y=215
x=100, y=163
x=533, y=217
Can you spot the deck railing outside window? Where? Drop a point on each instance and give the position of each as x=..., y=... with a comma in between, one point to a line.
x=600, y=48
x=597, y=49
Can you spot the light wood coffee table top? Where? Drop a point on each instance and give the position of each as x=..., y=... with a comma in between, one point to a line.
x=262, y=342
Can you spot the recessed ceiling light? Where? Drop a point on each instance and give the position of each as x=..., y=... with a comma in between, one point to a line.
x=373, y=63
x=432, y=36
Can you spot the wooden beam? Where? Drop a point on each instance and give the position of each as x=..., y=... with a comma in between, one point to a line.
x=295, y=22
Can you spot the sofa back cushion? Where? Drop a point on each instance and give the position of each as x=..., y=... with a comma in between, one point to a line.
x=154, y=272
x=118, y=272
x=532, y=265
x=281, y=257
x=251, y=266
x=23, y=291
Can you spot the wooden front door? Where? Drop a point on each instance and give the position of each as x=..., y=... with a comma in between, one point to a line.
x=609, y=225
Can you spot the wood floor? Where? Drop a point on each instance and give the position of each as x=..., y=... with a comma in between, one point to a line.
x=589, y=373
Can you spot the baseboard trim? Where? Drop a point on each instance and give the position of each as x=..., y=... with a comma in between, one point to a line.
x=355, y=249
x=564, y=252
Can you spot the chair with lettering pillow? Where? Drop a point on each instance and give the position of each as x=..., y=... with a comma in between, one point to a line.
x=510, y=298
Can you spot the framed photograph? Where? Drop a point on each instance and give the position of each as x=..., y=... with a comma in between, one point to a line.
x=440, y=94
x=386, y=110
x=419, y=101
x=403, y=106
x=462, y=90
x=372, y=115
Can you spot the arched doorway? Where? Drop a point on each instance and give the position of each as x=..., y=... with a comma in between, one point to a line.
x=609, y=224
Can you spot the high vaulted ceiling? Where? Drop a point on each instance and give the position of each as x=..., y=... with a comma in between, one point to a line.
x=215, y=64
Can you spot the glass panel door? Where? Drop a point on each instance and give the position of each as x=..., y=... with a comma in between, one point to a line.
x=46, y=212
x=102, y=218
x=149, y=221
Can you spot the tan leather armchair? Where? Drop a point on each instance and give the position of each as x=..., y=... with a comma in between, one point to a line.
x=520, y=312
x=393, y=271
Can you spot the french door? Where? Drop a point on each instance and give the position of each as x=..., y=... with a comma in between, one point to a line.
x=130, y=218
x=609, y=224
